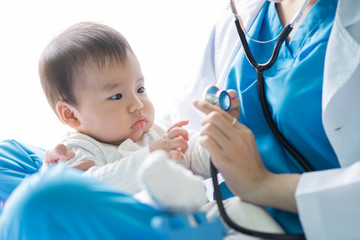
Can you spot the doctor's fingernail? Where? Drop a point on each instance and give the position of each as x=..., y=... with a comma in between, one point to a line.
x=195, y=101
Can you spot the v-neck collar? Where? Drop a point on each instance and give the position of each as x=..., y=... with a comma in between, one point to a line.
x=316, y=15
x=269, y=14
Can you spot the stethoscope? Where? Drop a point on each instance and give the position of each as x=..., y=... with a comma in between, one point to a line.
x=223, y=100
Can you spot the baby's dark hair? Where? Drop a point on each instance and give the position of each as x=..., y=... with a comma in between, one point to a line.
x=68, y=53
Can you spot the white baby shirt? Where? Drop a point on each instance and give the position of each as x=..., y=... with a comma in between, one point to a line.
x=118, y=165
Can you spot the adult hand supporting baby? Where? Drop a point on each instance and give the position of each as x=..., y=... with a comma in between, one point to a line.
x=52, y=156
x=235, y=154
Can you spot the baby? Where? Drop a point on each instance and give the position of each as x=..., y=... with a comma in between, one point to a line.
x=94, y=83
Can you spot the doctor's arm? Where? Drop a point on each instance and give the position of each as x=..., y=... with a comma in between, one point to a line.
x=328, y=203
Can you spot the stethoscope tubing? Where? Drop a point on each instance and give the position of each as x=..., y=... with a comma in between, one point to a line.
x=232, y=224
x=270, y=121
x=260, y=68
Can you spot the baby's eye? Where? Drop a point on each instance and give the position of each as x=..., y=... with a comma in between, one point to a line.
x=116, y=96
x=141, y=90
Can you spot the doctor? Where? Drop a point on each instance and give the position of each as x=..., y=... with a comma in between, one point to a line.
x=326, y=200
x=316, y=110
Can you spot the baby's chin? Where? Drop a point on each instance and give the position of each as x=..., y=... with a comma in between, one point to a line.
x=138, y=137
x=138, y=134
x=134, y=136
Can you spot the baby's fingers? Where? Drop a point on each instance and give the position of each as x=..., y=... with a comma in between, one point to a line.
x=178, y=132
x=179, y=144
x=176, y=155
x=179, y=124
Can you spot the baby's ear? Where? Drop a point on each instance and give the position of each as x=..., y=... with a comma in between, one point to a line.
x=66, y=113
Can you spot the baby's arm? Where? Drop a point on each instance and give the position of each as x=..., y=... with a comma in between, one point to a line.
x=197, y=158
x=121, y=174
x=187, y=151
x=118, y=170
x=174, y=141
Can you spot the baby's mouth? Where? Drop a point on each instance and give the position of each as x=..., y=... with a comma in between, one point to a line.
x=140, y=122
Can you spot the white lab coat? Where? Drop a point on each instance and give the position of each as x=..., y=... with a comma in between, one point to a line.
x=328, y=201
x=222, y=47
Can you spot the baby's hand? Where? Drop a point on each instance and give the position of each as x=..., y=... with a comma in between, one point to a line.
x=174, y=141
x=235, y=104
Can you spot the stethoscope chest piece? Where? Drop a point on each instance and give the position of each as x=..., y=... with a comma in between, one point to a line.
x=214, y=95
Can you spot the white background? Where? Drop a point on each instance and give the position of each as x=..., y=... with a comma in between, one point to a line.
x=167, y=36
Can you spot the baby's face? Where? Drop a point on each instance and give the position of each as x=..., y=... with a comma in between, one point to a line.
x=112, y=102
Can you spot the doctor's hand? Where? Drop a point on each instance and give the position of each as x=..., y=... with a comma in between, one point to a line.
x=233, y=150
x=234, y=153
x=235, y=104
x=52, y=156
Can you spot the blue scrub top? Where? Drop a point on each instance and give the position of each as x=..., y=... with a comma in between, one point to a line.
x=293, y=88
